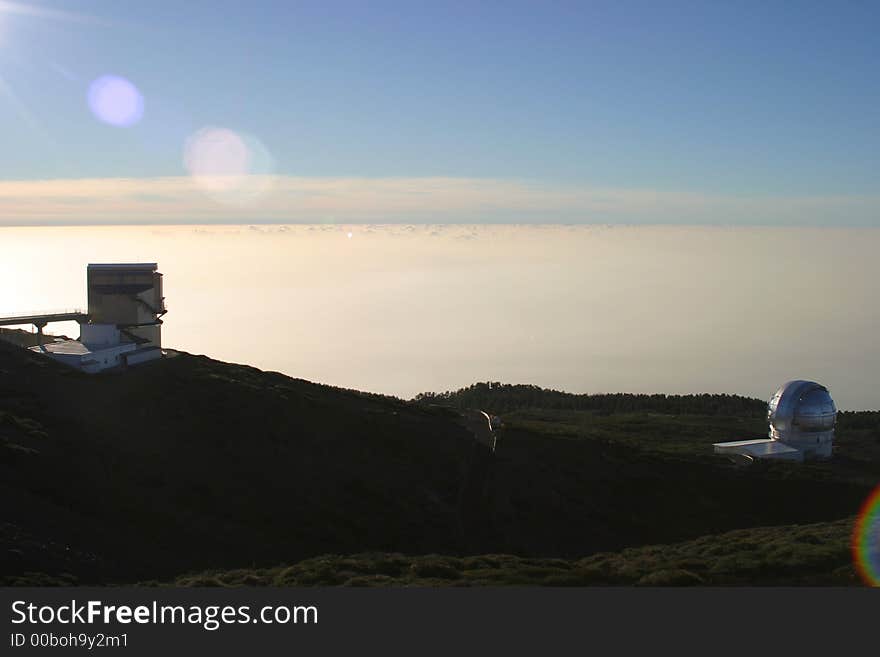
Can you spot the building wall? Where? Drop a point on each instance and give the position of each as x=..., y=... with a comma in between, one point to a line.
x=142, y=356
x=815, y=446
x=93, y=361
x=99, y=360
x=104, y=359
x=128, y=296
x=99, y=335
x=149, y=301
x=152, y=334
x=112, y=309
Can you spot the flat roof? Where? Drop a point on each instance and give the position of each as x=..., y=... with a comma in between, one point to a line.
x=75, y=348
x=743, y=443
x=151, y=266
x=68, y=347
x=762, y=447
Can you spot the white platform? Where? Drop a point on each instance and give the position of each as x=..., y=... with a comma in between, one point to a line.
x=764, y=448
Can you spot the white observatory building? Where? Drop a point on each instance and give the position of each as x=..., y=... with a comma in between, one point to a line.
x=122, y=326
x=802, y=417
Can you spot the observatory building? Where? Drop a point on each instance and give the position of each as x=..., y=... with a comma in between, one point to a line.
x=129, y=297
x=802, y=417
x=123, y=323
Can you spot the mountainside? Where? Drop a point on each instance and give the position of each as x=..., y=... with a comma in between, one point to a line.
x=189, y=464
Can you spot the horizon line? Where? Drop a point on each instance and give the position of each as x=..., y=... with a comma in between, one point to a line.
x=433, y=200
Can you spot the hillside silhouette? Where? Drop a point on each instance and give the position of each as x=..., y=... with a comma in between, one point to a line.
x=189, y=464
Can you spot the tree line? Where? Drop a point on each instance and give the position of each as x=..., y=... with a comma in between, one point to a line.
x=504, y=397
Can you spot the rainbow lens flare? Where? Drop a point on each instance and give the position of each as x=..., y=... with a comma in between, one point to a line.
x=866, y=540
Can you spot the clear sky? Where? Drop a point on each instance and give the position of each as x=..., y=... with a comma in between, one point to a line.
x=693, y=112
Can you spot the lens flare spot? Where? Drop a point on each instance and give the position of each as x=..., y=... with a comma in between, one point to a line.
x=216, y=157
x=115, y=100
x=229, y=166
x=866, y=540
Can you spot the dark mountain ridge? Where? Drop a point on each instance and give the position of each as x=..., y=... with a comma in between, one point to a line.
x=188, y=464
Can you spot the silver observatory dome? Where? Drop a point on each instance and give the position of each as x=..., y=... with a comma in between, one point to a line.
x=802, y=414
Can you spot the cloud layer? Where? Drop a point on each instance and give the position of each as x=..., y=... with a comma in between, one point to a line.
x=289, y=199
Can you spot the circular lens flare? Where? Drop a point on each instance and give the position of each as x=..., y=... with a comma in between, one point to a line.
x=229, y=166
x=866, y=540
x=115, y=100
x=217, y=157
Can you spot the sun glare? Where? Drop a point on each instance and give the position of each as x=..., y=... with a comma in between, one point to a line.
x=36, y=11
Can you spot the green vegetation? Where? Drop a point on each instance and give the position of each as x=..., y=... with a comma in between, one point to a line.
x=816, y=554
x=505, y=397
x=684, y=435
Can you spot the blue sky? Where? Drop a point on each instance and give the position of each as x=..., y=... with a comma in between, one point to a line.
x=730, y=101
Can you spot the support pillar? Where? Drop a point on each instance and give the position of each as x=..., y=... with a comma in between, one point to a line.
x=40, y=326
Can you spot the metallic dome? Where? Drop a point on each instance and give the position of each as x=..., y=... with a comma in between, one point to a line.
x=803, y=414
x=806, y=405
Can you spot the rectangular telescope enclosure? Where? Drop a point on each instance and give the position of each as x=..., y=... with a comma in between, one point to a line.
x=128, y=296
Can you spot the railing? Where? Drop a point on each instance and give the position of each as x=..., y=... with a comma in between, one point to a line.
x=43, y=316
x=45, y=313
